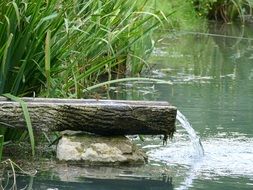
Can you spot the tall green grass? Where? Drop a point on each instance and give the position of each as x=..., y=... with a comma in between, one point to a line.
x=65, y=46
x=60, y=48
x=224, y=10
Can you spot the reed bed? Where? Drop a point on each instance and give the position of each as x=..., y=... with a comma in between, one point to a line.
x=60, y=48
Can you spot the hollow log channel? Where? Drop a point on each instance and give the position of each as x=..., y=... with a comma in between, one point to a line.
x=103, y=117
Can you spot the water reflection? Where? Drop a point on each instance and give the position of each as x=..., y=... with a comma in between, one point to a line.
x=212, y=78
x=44, y=182
x=213, y=87
x=212, y=72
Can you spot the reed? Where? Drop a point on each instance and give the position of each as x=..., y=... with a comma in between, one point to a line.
x=63, y=46
x=60, y=48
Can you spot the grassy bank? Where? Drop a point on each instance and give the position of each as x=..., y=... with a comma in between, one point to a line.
x=223, y=10
x=59, y=48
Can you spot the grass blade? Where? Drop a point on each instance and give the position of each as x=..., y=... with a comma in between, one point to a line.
x=1, y=146
x=47, y=60
x=26, y=117
x=6, y=52
x=126, y=80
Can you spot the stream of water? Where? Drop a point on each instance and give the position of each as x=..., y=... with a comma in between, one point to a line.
x=195, y=139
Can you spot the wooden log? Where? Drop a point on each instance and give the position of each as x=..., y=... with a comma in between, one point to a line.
x=104, y=117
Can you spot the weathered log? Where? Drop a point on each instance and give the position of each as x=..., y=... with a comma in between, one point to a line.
x=104, y=117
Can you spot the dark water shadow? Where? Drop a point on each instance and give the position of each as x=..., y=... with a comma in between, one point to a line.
x=28, y=183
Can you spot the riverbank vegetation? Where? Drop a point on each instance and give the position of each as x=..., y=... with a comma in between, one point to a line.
x=224, y=10
x=59, y=48
x=62, y=48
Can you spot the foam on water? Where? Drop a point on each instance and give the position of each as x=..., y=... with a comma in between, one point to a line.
x=230, y=156
x=223, y=156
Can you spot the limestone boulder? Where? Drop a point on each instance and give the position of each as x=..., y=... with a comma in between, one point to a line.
x=99, y=150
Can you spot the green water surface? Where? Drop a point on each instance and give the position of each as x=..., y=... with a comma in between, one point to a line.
x=212, y=72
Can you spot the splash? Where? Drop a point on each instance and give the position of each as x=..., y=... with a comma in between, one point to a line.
x=197, y=145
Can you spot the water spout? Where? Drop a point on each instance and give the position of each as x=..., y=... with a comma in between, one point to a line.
x=197, y=145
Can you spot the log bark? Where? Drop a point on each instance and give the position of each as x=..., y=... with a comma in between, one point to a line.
x=104, y=117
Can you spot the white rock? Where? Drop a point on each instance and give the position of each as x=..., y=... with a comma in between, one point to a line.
x=89, y=149
x=104, y=153
x=68, y=150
